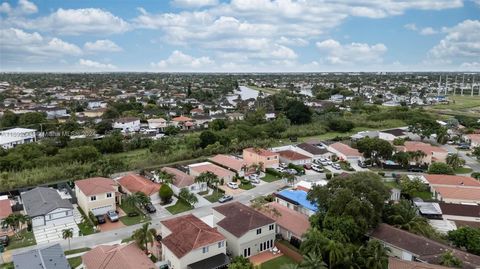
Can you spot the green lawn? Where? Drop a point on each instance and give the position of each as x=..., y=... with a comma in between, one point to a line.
x=392, y=184
x=75, y=251
x=85, y=227
x=277, y=263
x=463, y=170
x=7, y=266
x=247, y=186
x=24, y=239
x=425, y=195
x=270, y=177
x=74, y=262
x=212, y=198
x=179, y=207
x=132, y=220
x=345, y=166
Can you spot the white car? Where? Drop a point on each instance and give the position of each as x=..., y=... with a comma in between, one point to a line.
x=280, y=169
x=283, y=165
x=336, y=166
x=232, y=185
x=317, y=168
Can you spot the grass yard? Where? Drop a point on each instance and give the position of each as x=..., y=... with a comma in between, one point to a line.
x=86, y=226
x=8, y=265
x=132, y=220
x=277, y=263
x=425, y=195
x=74, y=262
x=75, y=251
x=179, y=207
x=392, y=184
x=247, y=186
x=461, y=105
x=270, y=177
x=463, y=170
x=24, y=239
x=212, y=198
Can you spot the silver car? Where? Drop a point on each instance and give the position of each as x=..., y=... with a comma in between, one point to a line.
x=112, y=215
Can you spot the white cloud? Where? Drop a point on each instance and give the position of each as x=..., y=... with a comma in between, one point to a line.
x=181, y=61
x=75, y=22
x=194, y=3
x=422, y=31
x=411, y=26
x=27, y=7
x=18, y=45
x=351, y=54
x=461, y=42
x=428, y=31
x=84, y=63
x=24, y=7
x=300, y=42
x=5, y=8
x=103, y=45
x=471, y=66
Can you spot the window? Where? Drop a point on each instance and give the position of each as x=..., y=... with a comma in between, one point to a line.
x=221, y=244
x=259, y=231
x=271, y=227
x=93, y=198
x=205, y=249
x=109, y=195
x=268, y=158
x=246, y=252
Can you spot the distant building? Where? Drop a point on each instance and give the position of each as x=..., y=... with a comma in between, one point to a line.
x=16, y=136
x=129, y=124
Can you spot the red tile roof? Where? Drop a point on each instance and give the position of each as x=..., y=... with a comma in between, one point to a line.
x=292, y=155
x=289, y=219
x=394, y=263
x=210, y=167
x=181, y=179
x=136, y=183
x=182, y=119
x=5, y=208
x=345, y=149
x=117, y=257
x=426, y=148
x=96, y=185
x=459, y=193
x=261, y=152
x=228, y=161
x=189, y=233
x=452, y=180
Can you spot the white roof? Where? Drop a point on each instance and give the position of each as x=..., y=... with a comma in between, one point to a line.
x=429, y=208
x=17, y=131
x=15, y=134
x=422, y=178
x=310, y=184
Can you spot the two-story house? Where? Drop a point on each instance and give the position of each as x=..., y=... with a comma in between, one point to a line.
x=263, y=157
x=97, y=195
x=188, y=242
x=248, y=231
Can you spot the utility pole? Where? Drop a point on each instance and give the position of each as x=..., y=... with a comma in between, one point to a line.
x=463, y=85
x=473, y=82
x=446, y=85
x=439, y=84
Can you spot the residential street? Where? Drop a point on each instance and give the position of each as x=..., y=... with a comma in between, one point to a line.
x=469, y=161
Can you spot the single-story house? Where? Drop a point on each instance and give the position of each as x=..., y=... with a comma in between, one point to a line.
x=50, y=257
x=232, y=163
x=435, y=180
x=457, y=194
x=394, y=263
x=433, y=153
x=46, y=207
x=98, y=195
x=128, y=256
x=16, y=136
x=313, y=151
x=296, y=200
x=293, y=157
x=157, y=124
x=290, y=223
x=473, y=139
x=461, y=214
x=392, y=134
x=222, y=173
x=345, y=152
x=133, y=183
x=127, y=124
x=5, y=207
x=184, y=180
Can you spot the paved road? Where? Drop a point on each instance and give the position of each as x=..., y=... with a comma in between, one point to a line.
x=469, y=161
x=119, y=234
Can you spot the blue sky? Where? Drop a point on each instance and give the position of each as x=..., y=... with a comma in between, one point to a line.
x=240, y=35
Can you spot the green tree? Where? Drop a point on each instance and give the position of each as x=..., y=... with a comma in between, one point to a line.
x=207, y=138
x=313, y=260
x=375, y=148
x=476, y=152
x=440, y=168
x=165, y=193
x=455, y=161
x=9, y=119
x=450, y=260
x=335, y=252
x=172, y=130
x=164, y=176
x=144, y=236
x=67, y=234
x=240, y=262
x=207, y=177
x=374, y=255
x=188, y=196
x=32, y=118
x=136, y=199
x=298, y=113
x=466, y=237
x=404, y=216
x=410, y=187
x=423, y=126
x=313, y=242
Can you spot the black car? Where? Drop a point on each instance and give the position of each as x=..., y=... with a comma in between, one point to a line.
x=415, y=169
x=4, y=240
x=150, y=208
x=100, y=219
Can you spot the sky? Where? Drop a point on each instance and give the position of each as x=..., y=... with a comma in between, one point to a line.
x=239, y=35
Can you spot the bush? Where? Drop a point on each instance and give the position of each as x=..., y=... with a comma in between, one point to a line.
x=440, y=168
x=340, y=125
x=381, y=174
x=296, y=167
x=165, y=193
x=328, y=176
x=245, y=181
x=273, y=172
x=476, y=175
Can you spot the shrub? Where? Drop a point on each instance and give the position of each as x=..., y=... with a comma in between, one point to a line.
x=245, y=181
x=476, y=175
x=381, y=174
x=273, y=172
x=165, y=193
x=440, y=168
x=328, y=176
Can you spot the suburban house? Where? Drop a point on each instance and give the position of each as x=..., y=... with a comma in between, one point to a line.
x=189, y=243
x=97, y=195
x=16, y=136
x=293, y=157
x=473, y=139
x=297, y=201
x=128, y=256
x=394, y=263
x=248, y=231
x=157, y=124
x=313, y=151
x=345, y=152
x=184, y=180
x=290, y=223
x=266, y=158
x=461, y=214
x=46, y=207
x=230, y=162
x=5, y=208
x=392, y=134
x=93, y=104
x=222, y=173
x=433, y=153
x=127, y=124
x=182, y=122
x=411, y=247
x=51, y=257
x=458, y=194
x=133, y=183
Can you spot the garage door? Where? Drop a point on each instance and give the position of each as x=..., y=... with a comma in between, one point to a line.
x=101, y=210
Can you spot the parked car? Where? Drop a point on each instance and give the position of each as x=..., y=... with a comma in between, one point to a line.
x=112, y=215
x=415, y=169
x=283, y=165
x=100, y=219
x=317, y=168
x=254, y=176
x=150, y=208
x=4, y=240
x=336, y=166
x=362, y=164
x=255, y=180
x=225, y=198
x=280, y=169
x=307, y=166
x=291, y=171
x=232, y=185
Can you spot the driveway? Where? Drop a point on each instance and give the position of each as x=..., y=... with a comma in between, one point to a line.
x=231, y=191
x=108, y=225
x=53, y=232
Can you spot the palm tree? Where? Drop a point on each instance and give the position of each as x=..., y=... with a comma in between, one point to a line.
x=313, y=261
x=417, y=155
x=404, y=216
x=375, y=255
x=207, y=177
x=165, y=177
x=189, y=197
x=144, y=236
x=455, y=161
x=67, y=234
x=137, y=198
x=314, y=241
x=15, y=221
x=450, y=260
x=290, y=266
x=335, y=252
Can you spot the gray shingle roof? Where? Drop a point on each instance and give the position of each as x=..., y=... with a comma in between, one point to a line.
x=51, y=257
x=41, y=200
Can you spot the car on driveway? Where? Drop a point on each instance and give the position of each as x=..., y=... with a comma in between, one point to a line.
x=232, y=185
x=361, y=164
x=225, y=198
x=307, y=166
x=336, y=166
x=112, y=215
x=4, y=240
x=100, y=219
x=317, y=168
x=150, y=208
x=291, y=171
x=280, y=169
